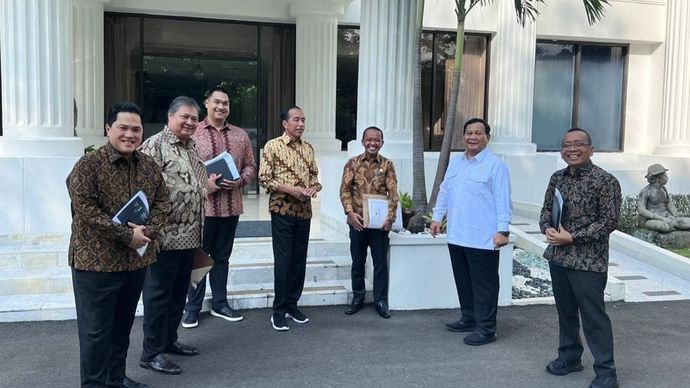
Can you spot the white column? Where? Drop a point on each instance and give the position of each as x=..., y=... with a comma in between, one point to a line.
x=511, y=88
x=87, y=41
x=675, y=121
x=315, y=79
x=385, y=85
x=36, y=55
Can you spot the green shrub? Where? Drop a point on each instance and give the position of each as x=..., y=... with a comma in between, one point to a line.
x=630, y=220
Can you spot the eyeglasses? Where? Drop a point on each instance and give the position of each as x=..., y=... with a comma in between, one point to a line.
x=186, y=117
x=576, y=145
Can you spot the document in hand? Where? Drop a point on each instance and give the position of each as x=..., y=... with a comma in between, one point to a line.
x=201, y=264
x=136, y=211
x=557, y=209
x=224, y=165
x=376, y=212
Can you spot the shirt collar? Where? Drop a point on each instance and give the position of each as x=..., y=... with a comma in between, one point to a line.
x=286, y=139
x=170, y=137
x=363, y=157
x=580, y=171
x=479, y=157
x=207, y=124
x=115, y=155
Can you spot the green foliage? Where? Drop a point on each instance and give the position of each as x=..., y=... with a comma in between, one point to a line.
x=405, y=202
x=681, y=251
x=630, y=220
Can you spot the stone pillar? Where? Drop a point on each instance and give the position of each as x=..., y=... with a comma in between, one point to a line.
x=315, y=79
x=512, y=84
x=385, y=86
x=36, y=55
x=88, y=67
x=675, y=121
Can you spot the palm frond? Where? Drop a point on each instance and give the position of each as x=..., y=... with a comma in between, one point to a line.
x=594, y=9
x=526, y=10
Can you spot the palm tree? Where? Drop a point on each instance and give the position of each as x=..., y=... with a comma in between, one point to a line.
x=418, y=179
x=525, y=10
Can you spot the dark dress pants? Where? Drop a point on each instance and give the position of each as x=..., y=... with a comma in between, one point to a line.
x=378, y=241
x=106, y=303
x=290, y=243
x=219, y=236
x=165, y=292
x=477, y=283
x=580, y=294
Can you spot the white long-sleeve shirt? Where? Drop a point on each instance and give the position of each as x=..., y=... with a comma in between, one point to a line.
x=475, y=193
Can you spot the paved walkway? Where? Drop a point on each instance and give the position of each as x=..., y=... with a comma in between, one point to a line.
x=412, y=349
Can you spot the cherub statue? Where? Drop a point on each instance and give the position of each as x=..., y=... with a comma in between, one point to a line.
x=655, y=206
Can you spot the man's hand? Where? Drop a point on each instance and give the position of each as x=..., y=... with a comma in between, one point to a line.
x=311, y=192
x=211, y=186
x=386, y=226
x=500, y=240
x=356, y=221
x=555, y=237
x=435, y=228
x=229, y=185
x=139, y=239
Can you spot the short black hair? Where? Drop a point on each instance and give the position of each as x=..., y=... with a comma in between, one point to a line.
x=373, y=128
x=124, y=106
x=577, y=129
x=216, y=89
x=285, y=113
x=487, y=128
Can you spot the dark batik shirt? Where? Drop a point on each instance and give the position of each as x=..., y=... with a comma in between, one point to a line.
x=361, y=176
x=591, y=211
x=291, y=162
x=99, y=185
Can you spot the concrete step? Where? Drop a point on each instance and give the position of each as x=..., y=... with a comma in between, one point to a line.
x=24, y=255
x=60, y=306
x=35, y=281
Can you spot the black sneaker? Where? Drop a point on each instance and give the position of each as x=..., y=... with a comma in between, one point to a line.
x=190, y=320
x=228, y=314
x=297, y=316
x=279, y=322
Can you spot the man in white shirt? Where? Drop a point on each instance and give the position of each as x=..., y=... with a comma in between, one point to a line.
x=475, y=195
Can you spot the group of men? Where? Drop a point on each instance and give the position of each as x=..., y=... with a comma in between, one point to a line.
x=189, y=209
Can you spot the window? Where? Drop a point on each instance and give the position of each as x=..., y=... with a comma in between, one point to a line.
x=579, y=85
x=438, y=49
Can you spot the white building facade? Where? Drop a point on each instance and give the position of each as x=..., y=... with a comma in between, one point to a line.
x=55, y=54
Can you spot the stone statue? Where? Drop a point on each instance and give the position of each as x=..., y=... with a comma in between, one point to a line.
x=655, y=206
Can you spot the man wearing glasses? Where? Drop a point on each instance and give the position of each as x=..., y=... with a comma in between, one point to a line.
x=578, y=254
x=167, y=280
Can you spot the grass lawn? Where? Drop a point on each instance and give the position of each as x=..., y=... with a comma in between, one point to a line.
x=682, y=251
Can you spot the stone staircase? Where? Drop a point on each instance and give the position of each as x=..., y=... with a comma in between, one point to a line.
x=36, y=283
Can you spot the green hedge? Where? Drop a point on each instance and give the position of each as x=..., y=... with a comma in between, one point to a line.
x=630, y=220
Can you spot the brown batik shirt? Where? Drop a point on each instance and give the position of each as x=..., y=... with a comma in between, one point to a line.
x=100, y=183
x=591, y=211
x=291, y=162
x=362, y=176
x=211, y=142
x=185, y=176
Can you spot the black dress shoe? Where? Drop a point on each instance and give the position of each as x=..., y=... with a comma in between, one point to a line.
x=181, y=349
x=125, y=383
x=354, y=307
x=559, y=367
x=162, y=365
x=477, y=339
x=460, y=326
x=604, y=382
x=382, y=308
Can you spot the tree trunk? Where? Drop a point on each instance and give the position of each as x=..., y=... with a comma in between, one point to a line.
x=418, y=180
x=449, y=125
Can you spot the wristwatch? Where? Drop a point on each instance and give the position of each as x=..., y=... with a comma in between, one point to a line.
x=504, y=232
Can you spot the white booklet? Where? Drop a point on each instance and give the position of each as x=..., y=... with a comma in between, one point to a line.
x=376, y=212
x=557, y=209
x=224, y=165
x=136, y=211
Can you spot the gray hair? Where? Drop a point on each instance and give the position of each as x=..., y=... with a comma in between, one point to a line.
x=181, y=101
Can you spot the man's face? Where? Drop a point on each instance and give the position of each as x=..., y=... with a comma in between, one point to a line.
x=217, y=106
x=372, y=142
x=183, y=122
x=475, y=138
x=576, y=149
x=126, y=133
x=294, y=125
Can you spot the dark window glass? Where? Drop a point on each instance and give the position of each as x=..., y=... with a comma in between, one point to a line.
x=123, y=60
x=578, y=85
x=346, y=85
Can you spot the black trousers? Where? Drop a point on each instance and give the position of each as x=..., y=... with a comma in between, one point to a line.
x=290, y=243
x=580, y=295
x=165, y=292
x=378, y=241
x=106, y=303
x=477, y=283
x=219, y=236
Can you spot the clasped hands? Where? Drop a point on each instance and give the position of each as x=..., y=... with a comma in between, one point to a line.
x=556, y=237
x=139, y=239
